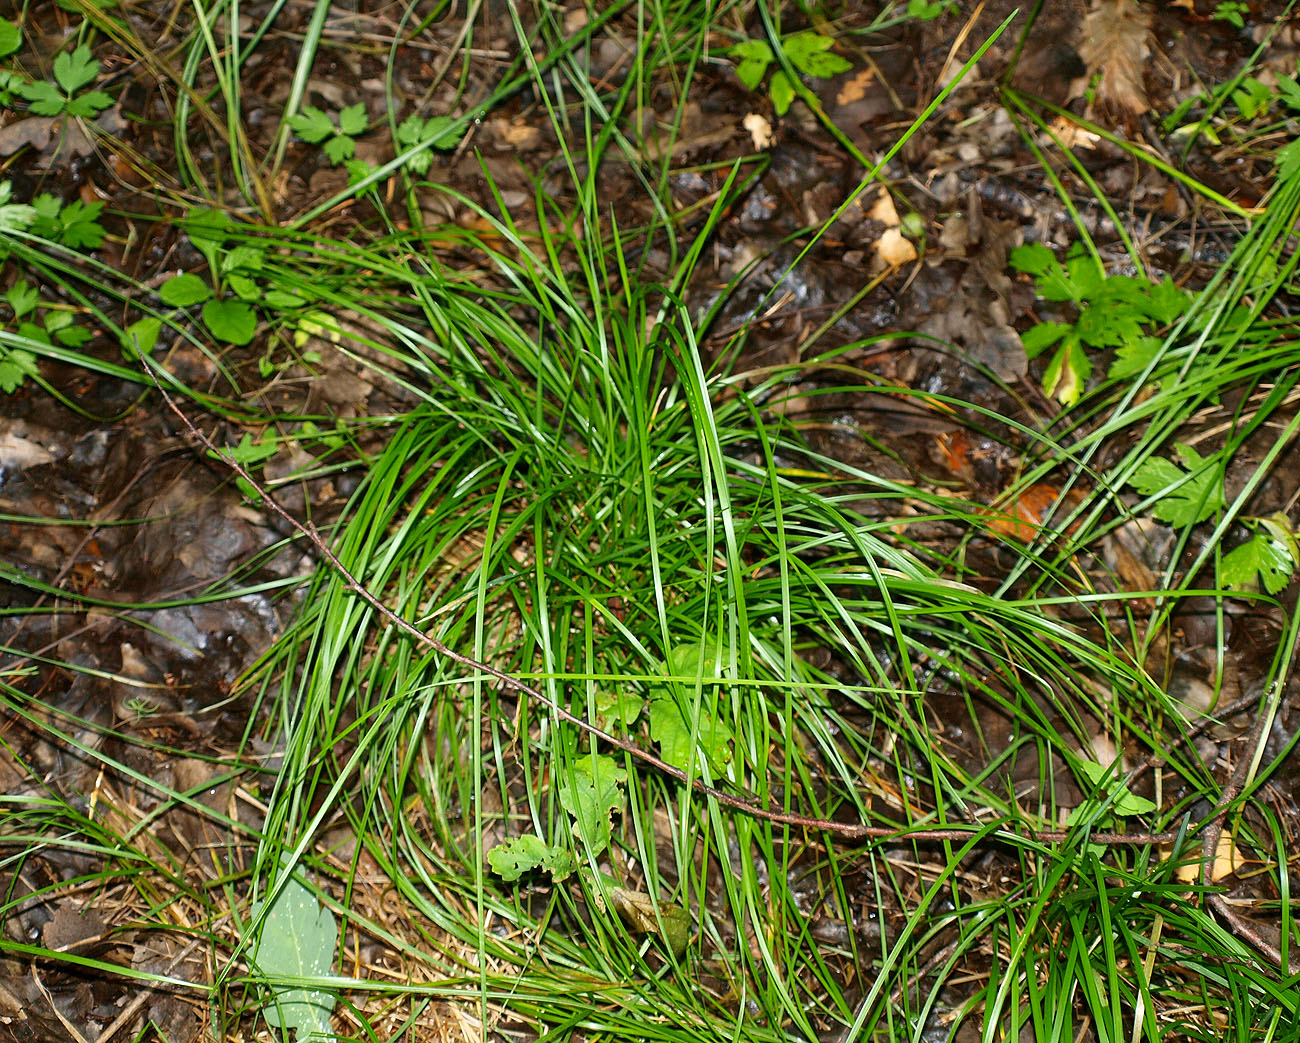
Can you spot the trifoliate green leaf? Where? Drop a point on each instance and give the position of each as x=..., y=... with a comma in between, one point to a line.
x=809, y=53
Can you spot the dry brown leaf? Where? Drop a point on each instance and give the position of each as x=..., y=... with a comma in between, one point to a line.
x=883, y=209
x=1116, y=42
x=759, y=130
x=855, y=88
x=894, y=248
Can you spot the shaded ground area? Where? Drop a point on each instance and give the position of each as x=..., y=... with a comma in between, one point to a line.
x=143, y=582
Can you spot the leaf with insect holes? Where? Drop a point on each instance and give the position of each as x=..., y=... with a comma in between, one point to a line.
x=185, y=289
x=231, y=321
x=296, y=941
x=527, y=854
x=1266, y=561
x=810, y=53
x=312, y=125
x=1125, y=803
x=1184, y=497
x=755, y=56
x=591, y=794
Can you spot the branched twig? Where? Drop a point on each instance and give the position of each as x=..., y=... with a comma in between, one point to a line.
x=846, y=830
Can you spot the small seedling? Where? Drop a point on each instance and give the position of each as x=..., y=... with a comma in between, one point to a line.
x=338, y=140
x=591, y=794
x=72, y=71
x=415, y=130
x=1119, y=312
x=39, y=324
x=807, y=51
x=1231, y=11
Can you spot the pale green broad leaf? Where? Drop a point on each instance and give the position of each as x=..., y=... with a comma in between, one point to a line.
x=295, y=944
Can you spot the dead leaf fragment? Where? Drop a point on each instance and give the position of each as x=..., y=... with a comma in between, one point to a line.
x=759, y=130
x=1116, y=43
x=855, y=88
x=894, y=248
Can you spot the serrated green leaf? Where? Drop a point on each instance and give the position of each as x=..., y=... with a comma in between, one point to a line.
x=22, y=298
x=1038, y=339
x=183, y=290
x=74, y=69
x=1260, y=562
x=1133, y=358
x=311, y=125
x=16, y=365
x=782, y=92
x=44, y=99
x=88, y=105
x=1032, y=258
x=231, y=321
x=809, y=53
x=11, y=38
x=352, y=120
x=755, y=56
x=339, y=148
x=1185, y=497
x=591, y=793
x=525, y=854
x=80, y=227
x=297, y=940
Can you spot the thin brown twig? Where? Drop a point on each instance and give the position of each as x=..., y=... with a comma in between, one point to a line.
x=846, y=830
